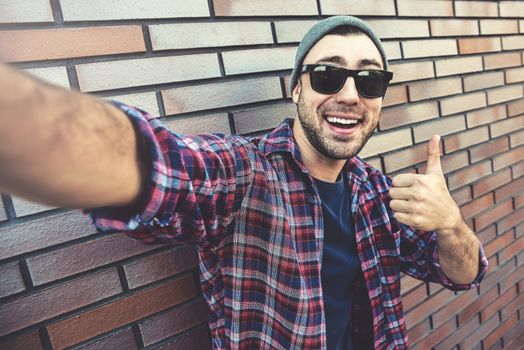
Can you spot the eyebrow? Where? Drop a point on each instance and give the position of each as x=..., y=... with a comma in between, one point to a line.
x=342, y=61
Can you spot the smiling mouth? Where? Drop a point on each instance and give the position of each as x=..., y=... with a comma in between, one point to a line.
x=341, y=123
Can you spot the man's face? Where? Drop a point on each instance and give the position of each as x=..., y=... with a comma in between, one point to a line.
x=320, y=114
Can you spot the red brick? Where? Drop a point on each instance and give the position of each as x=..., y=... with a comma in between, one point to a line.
x=405, y=115
x=441, y=126
x=196, y=339
x=515, y=337
x=485, y=116
x=264, y=8
x=453, y=27
x=516, y=186
x=511, y=308
x=57, y=300
x=414, y=297
x=495, y=275
x=430, y=306
x=461, y=196
x=478, y=304
x=495, y=336
x=173, y=322
x=156, y=267
x=451, y=340
x=437, y=335
x=418, y=332
x=102, y=319
x=452, y=162
x=408, y=283
x=434, y=88
x=487, y=234
x=511, y=280
x=405, y=158
x=514, y=75
x=512, y=220
x=478, y=45
x=411, y=71
x=518, y=170
x=11, y=281
x=82, y=257
x=396, y=94
x=427, y=8
x=50, y=44
x=510, y=157
x=498, y=26
x=41, y=233
x=451, y=309
x=502, y=60
x=476, y=206
x=492, y=182
x=476, y=9
x=454, y=66
x=483, y=80
x=122, y=340
x=489, y=148
x=493, y=214
x=469, y=175
x=516, y=108
x=465, y=139
x=476, y=336
x=498, y=243
x=461, y=103
x=27, y=341
x=506, y=126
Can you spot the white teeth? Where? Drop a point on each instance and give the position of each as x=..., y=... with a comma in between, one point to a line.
x=341, y=120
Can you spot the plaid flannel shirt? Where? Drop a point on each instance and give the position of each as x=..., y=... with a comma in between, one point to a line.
x=256, y=217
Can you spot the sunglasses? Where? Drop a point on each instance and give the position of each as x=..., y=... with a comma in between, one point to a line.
x=328, y=80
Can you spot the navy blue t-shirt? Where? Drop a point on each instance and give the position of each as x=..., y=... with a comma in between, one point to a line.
x=340, y=263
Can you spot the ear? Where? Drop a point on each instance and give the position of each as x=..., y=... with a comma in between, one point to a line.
x=296, y=92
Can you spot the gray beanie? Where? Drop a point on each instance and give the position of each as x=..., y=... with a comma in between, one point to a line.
x=319, y=30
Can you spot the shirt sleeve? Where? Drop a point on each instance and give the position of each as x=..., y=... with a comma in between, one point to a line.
x=419, y=255
x=195, y=185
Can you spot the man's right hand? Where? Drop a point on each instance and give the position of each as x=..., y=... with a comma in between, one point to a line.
x=65, y=148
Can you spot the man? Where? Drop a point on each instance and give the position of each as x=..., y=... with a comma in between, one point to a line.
x=301, y=243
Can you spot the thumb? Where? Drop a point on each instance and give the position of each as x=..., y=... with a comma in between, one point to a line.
x=433, y=165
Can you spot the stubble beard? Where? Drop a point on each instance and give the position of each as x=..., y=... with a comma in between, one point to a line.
x=333, y=147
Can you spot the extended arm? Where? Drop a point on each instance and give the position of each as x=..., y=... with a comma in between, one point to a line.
x=64, y=148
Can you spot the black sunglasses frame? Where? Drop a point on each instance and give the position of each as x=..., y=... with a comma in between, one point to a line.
x=355, y=74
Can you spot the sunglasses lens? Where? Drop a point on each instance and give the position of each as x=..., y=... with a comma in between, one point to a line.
x=327, y=80
x=371, y=83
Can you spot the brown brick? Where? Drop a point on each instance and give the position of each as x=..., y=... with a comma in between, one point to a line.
x=454, y=66
x=408, y=283
x=493, y=214
x=263, y=118
x=453, y=105
x=441, y=126
x=462, y=196
x=483, y=80
x=505, y=93
x=511, y=221
x=216, y=95
x=512, y=250
x=386, y=142
x=498, y=243
x=257, y=60
x=122, y=340
x=511, y=8
x=195, y=339
x=498, y=26
x=24, y=207
x=519, y=200
x=437, y=335
x=26, y=11
x=430, y=8
x=120, y=312
x=419, y=331
x=292, y=31
x=414, y=297
x=476, y=206
x=358, y=8
x=405, y=115
x=517, y=139
x=57, y=300
x=517, y=169
x=509, y=189
x=213, y=34
x=27, y=341
x=485, y=116
x=11, y=281
x=398, y=28
x=510, y=157
x=506, y=126
x=514, y=75
x=515, y=337
x=173, y=322
x=514, y=42
x=476, y=9
x=469, y=175
x=396, y=94
x=405, y=158
x=434, y=88
x=50, y=44
x=145, y=101
x=465, y=139
x=468, y=312
x=453, y=27
x=501, y=60
x=37, y=234
x=488, y=149
x=452, y=162
x=155, y=267
x=265, y=8
x=412, y=71
x=82, y=257
x=429, y=48
x=477, y=45
x=392, y=49
x=490, y=183
x=497, y=334
x=200, y=124
x=516, y=108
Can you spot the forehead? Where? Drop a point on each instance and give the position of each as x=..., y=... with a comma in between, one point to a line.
x=351, y=49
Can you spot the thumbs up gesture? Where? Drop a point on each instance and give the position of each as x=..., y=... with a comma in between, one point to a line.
x=423, y=201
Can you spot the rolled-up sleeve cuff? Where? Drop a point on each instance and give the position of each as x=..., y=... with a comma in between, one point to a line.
x=145, y=212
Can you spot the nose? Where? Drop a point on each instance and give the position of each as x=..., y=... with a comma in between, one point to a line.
x=348, y=94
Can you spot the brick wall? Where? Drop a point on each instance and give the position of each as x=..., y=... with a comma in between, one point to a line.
x=223, y=65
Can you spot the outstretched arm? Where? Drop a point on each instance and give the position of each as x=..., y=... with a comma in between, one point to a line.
x=64, y=148
x=423, y=202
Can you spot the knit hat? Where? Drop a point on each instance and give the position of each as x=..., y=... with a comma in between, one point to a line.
x=319, y=30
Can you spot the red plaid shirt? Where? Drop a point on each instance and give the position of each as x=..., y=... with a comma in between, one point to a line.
x=256, y=216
